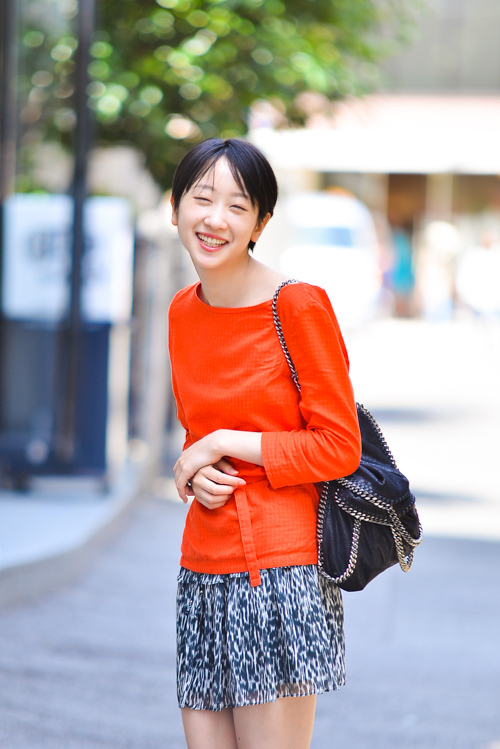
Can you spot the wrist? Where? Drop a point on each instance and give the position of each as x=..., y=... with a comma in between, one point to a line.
x=221, y=443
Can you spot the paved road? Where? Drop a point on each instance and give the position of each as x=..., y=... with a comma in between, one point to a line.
x=92, y=666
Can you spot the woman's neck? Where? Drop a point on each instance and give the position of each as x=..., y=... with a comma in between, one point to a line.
x=245, y=286
x=231, y=288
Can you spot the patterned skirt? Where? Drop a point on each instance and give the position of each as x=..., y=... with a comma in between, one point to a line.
x=238, y=645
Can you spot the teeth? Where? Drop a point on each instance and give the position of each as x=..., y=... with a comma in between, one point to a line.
x=210, y=241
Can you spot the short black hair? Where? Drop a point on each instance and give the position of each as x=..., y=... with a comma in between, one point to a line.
x=250, y=168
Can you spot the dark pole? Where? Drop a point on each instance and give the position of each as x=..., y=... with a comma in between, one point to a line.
x=8, y=122
x=65, y=443
x=8, y=99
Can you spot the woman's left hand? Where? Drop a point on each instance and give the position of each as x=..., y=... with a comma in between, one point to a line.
x=204, y=452
x=214, y=485
x=210, y=449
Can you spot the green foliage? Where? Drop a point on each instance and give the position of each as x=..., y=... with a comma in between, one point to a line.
x=167, y=73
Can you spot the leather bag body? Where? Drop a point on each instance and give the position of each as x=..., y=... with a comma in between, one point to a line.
x=367, y=522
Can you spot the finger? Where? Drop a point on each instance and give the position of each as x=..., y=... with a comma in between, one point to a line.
x=184, y=491
x=224, y=479
x=226, y=467
x=183, y=479
x=183, y=495
x=211, y=473
x=203, y=483
x=210, y=502
x=182, y=473
x=182, y=482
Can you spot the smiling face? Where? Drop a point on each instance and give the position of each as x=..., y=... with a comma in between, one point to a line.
x=216, y=220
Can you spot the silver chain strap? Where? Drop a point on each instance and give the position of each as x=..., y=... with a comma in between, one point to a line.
x=380, y=435
x=353, y=554
x=398, y=530
x=279, y=330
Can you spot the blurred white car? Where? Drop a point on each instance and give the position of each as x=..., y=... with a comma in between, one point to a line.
x=335, y=247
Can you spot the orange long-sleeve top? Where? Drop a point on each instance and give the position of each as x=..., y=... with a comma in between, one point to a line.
x=229, y=372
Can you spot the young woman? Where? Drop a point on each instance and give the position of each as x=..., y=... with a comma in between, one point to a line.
x=259, y=633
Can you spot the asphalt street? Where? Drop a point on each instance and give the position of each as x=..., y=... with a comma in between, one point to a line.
x=93, y=665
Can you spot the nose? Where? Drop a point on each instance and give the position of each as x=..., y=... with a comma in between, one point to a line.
x=216, y=217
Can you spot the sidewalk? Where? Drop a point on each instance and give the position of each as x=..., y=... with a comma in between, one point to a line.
x=434, y=388
x=47, y=534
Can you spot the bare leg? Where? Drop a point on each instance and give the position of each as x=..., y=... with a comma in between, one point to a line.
x=285, y=724
x=207, y=729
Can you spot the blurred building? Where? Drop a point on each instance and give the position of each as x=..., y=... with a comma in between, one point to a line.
x=423, y=150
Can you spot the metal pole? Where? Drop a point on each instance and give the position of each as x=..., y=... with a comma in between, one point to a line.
x=8, y=27
x=65, y=443
x=8, y=121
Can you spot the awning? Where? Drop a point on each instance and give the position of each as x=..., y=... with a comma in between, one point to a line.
x=419, y=134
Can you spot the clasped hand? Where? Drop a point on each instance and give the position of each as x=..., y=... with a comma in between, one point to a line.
x=202, y=471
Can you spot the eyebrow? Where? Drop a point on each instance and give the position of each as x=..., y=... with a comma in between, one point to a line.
x=212, y=189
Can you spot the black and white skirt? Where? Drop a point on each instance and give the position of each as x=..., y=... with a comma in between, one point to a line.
x=238, y=645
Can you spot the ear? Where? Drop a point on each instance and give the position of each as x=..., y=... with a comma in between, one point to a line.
x=260, y=228
x=174, y=212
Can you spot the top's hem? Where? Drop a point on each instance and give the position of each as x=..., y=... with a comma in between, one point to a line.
x=239, y=566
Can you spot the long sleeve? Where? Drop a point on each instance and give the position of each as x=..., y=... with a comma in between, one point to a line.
x=330, y=445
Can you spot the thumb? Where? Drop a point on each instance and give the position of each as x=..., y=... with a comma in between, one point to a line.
x=226, y=467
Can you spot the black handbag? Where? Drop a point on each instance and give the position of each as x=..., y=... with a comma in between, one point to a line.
x=367, y=522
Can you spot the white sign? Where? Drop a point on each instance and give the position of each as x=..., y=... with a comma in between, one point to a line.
x=37, y=258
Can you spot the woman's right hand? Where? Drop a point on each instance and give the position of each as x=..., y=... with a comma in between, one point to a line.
x=214, y=485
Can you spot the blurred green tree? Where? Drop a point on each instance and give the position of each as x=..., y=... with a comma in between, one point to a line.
x=167, y=73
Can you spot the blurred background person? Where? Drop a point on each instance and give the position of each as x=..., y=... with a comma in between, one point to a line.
x=478, y=277
x=400, y=275
x=436, y=271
